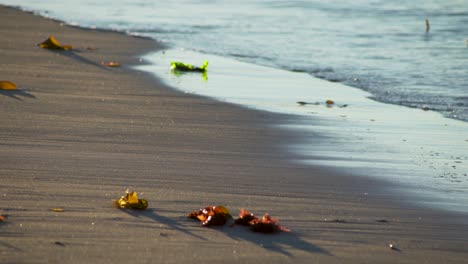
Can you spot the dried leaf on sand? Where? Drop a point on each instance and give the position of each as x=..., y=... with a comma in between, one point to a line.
x=7, y=85
x=52, y=43
x=244, y=218
x=212, y=215
x=131, y=201
x=266, y=224
x=111, y=64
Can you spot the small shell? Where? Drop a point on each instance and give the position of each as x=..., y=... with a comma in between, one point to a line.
x=393, y=247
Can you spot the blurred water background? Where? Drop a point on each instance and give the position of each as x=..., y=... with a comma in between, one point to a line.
x=380, y=46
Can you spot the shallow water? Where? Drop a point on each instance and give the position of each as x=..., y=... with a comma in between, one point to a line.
x=376, y=45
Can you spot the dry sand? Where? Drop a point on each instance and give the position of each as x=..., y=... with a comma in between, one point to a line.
x=80, y=134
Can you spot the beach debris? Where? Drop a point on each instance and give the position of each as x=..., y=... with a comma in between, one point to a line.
x=131, y=201
x=58, y=243
x=245, y=217
x=393, y=247
x=219, y=215
x=2, y=216
x=57, y=210
x=266, y=224
x=90, y=48
x=428, y=26
x=111, y=64
x=180, y=66
x=425, y=108
x=328, y=103
x=52, y=43
x=211, y=215
x=302, y=103
x=7, y=85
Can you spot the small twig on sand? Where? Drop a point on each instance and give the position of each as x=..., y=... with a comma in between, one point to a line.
x=428, y=27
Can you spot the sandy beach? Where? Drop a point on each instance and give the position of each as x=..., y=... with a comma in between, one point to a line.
x=78, y=134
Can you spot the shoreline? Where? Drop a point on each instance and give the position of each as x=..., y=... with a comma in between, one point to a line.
x=381, y=141
x=80, y=134
x=375, y=78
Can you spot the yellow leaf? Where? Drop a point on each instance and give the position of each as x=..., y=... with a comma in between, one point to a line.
x=142, y=204
x=52, y=43
x=130, y=200
x=58, y=210
x=7, y=85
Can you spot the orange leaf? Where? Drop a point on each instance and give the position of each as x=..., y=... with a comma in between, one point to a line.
x=58, y=210
x=52, y=43
x=111, y=64
x=212, y=215
x=7, y=85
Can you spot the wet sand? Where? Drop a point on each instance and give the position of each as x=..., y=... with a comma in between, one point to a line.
x=79, y=134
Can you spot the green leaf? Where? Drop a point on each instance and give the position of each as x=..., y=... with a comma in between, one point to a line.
x=181, y=66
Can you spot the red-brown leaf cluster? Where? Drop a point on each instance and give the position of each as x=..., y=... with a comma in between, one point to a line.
x=211, y=215
x=266, y=224
x=219, y=215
